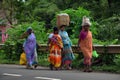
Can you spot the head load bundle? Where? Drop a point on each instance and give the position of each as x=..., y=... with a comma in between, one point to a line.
x=86, y=21
x=63, y=19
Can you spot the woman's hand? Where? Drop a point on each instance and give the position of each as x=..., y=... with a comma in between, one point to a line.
x=24, y=35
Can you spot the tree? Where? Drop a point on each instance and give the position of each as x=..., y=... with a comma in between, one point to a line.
x=36, y=10
x=109, y=27
x=8, y=8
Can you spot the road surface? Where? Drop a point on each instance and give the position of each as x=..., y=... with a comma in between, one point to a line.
x=17, y=72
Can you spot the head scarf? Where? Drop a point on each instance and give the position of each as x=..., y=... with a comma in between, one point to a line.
x=83, y=34
x=29, y=30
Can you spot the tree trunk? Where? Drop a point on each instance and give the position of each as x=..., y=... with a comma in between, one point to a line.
x=109, y=3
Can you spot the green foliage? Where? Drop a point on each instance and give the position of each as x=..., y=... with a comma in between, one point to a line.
x=8, y=54
x=42, y=10
x=111, y=28
x=43, y=58
x=107, y=68
x=117, y=60
x=9, y=9
x=2, y=22
x=78, y=61
x=18, y=30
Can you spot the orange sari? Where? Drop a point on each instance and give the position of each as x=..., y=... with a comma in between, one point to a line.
x=55, y=50
x=86, y=48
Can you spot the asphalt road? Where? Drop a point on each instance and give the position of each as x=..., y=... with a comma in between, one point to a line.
x=17, y=72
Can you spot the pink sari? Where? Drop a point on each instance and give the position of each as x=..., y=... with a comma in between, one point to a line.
x=86, y=47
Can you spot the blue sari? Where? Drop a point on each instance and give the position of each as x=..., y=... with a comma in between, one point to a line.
x=29, y=48
x=68, y=55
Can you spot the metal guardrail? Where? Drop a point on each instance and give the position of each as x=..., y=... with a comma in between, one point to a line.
x=111, y=49
x=1, y=45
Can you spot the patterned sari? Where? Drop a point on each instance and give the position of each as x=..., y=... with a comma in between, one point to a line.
x=55, y=50
x=29, y=48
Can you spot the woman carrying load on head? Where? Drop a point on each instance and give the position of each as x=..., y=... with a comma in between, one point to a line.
x=68, y=55
x=85, y=43
x=55, y=46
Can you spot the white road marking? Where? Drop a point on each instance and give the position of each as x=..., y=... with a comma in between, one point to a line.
x=7, y=74
x=46, y=78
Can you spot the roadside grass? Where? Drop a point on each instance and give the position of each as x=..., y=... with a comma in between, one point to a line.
x=77, y=63
x=107, y=68
x=112, y=68
x=43, y=59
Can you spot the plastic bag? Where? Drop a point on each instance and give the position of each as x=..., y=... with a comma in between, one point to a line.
x=95, y=54
x=23, y=60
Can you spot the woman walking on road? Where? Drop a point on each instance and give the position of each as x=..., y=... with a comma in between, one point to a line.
x=85, y=43
x=55, y=47
x=67, y=53
x=29, y=47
